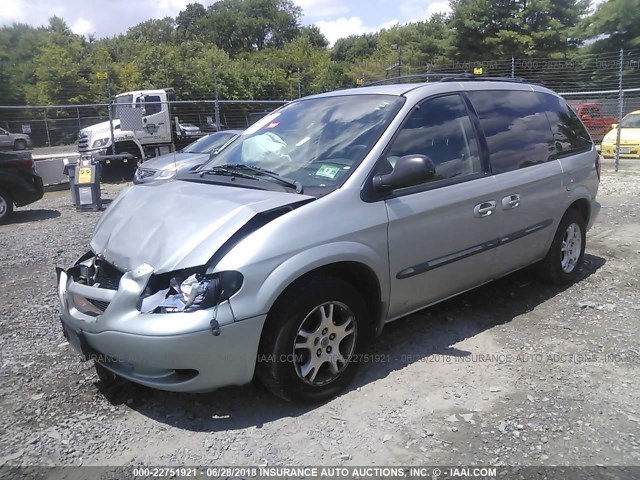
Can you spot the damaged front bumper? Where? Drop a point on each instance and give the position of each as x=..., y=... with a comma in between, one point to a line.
x=169, y=351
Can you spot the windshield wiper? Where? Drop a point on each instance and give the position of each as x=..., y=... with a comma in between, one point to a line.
x=228, y=172
x=235, y=169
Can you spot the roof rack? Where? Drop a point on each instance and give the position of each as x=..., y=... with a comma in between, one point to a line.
x=447, y=77
x=462, y=77
x=428, y=75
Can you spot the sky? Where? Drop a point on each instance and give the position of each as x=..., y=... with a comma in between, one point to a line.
x=105, y=18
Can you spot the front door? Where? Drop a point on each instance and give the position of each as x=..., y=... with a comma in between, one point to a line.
x=442, y=234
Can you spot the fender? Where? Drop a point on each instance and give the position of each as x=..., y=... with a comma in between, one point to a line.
x=260, y=298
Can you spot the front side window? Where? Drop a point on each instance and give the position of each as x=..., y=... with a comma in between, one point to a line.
x=516, y=128
x=440, y=129
x=569, y=134
x=316, y=142
x=152, y=104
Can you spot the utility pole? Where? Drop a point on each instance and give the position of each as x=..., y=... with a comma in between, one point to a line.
x=299, y=84
x=397, y=47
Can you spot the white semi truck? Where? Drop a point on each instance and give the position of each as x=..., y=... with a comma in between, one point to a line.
x=157, y=136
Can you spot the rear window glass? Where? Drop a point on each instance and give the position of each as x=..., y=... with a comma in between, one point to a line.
x=569, y=134
x=516, y=128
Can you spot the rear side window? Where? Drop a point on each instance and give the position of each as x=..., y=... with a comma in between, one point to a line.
x=516, y=128
x=569, y=134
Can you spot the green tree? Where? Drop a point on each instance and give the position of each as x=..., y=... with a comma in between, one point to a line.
x=489, y=29
x=615, y=24
x=238, y=26
x=189, y=23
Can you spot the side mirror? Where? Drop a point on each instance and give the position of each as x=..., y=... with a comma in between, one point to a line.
x=214, y=152
x=614, y=125
x=409, y=170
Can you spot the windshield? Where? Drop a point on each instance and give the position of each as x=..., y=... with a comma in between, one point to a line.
x=315, y=142
x=124, y=101
x=209, y=143
x=630, y=121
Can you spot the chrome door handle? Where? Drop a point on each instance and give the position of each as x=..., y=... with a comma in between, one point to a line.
x=512, y=201
x=484, y=209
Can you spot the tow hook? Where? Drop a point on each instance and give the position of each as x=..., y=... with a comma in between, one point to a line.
x=215, y=327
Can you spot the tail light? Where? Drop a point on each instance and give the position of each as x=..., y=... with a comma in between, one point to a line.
x=598, y=165
x=25, y=161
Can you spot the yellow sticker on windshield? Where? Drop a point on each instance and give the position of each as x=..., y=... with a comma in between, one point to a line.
x=327, y=171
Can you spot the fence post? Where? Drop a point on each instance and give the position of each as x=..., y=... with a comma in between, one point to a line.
x=616, y=162
x=513, y=67
x=110, y=110
x=216, y=107
x=46, y=127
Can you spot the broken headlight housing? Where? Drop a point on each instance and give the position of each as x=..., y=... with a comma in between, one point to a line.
x=195, y=292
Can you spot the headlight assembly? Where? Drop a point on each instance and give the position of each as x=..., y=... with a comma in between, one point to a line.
x=101, y=142
x=195, y=292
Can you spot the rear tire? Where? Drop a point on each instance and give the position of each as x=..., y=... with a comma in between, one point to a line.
x=312, y=339
x=6, y=206
x=566, y=254
x=19, y=145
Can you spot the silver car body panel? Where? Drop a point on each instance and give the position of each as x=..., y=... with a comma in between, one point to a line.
x=422, y=248
x=204, y=219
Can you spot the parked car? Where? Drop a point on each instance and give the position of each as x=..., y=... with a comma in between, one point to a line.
x=629, y=137
x=16, y=141
x=288, y=252
x=189, y=130
x=594, y=119
x=20, y=185
x=167, y=166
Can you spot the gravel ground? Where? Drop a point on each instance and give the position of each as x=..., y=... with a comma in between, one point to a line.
x=512, y=373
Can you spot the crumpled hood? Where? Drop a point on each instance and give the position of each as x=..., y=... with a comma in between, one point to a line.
x=177, y=224
x=179, y=161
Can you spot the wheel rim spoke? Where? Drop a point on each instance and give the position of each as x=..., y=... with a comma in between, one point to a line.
x=325, y=341
x=571, y=248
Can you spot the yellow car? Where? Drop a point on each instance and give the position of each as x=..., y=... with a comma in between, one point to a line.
x=629, y=138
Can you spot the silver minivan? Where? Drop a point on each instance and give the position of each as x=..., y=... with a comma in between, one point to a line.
x=286, y=254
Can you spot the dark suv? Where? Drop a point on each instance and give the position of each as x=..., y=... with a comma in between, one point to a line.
x=19, y=183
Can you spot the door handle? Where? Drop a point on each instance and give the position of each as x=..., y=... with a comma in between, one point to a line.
x=484, y=209
x=512, y=201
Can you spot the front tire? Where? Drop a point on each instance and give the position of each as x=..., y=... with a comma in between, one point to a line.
x=566, y=254
x=311, y=339
x=6, y=206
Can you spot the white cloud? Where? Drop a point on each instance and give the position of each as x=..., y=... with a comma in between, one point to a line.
x=418, y=10
x=322, y=8
x=344, y=27
x=83, y=26
x=169, y=8
x=12, y=11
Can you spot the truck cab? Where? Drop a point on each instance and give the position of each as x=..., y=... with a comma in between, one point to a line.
x=152, y=139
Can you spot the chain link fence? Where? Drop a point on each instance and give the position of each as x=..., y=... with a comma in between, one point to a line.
x=58, y=125
x=603, y=86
